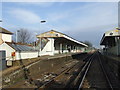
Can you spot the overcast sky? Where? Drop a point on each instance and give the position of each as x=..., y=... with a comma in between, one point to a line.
x=80, y=20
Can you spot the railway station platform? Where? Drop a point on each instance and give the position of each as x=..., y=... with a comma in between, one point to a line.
x=16, y=63
x=38, y=65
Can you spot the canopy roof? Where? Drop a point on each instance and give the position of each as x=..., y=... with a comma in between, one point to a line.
x=109, y=35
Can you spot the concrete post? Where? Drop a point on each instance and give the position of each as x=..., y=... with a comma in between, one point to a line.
x=39, y=52
x=61, y=47
x=74, y=48
x=52, y=46
x=66, y=48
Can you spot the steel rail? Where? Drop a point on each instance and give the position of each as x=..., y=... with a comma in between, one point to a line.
x=53, y=79
x=78, y=76
x=85, y=70
x=84, y=75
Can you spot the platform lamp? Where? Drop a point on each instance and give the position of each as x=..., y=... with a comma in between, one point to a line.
x=42, y=21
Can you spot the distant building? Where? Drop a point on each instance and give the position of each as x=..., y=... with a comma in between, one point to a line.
x=22, y=51
x=111, y=41
x=11, y=51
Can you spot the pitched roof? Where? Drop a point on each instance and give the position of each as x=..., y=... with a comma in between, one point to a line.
x=62, y=35
x=2, y=30
x=20, y=47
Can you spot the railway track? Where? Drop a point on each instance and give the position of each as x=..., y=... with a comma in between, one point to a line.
x=77, y=83
x=75, y=74
x=80, y=80
x=63, y=69
x=48, y=84
x=68, y=74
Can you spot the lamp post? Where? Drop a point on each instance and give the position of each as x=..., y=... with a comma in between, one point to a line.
x=43, y=21
x=17, y=35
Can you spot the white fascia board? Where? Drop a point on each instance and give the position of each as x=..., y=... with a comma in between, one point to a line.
x=74, y=40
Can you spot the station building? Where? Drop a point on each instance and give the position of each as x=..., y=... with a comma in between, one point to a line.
x=111, y=41
x=58, y=43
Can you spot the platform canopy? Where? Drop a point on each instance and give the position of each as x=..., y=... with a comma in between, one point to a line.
x=61, y=38
x=109, y=37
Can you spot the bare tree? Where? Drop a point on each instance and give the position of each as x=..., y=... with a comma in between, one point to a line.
x=88, y=43
x=24, y=36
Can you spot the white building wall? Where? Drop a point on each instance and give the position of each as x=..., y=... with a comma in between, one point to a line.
x=8, y=50
x=21, y=55
x=7, y=37
x=49, y=48
x=26, y=54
